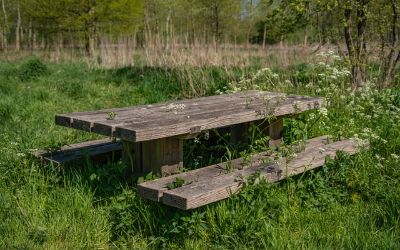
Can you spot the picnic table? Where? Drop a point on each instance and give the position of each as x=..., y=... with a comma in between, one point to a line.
x=152, y=135
x=150, y=139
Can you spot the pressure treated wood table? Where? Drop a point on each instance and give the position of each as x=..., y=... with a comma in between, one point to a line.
x=153, y=135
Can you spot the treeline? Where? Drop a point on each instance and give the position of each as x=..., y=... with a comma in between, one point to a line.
x=362, y=26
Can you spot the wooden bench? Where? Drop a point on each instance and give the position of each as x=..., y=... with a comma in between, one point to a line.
x=152, y=139
x=99, y=151
x=213, y=183
x=153, y=135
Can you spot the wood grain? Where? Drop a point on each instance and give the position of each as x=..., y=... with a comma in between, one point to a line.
x=149, y=122
x=154, y=190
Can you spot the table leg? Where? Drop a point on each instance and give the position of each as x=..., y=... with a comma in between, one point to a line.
x=275, y=131
x=162, y=156
x=131, y=156
x=239, y=134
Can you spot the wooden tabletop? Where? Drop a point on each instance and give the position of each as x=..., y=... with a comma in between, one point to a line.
x=148, y=122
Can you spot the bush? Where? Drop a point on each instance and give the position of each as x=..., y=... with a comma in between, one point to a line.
x=32, y=69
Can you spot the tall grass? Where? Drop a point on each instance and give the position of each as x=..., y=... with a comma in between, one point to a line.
x=111, y=55
x=349, y=203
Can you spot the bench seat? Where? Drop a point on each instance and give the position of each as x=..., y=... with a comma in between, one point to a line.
x=213, y=183
x=98, y=150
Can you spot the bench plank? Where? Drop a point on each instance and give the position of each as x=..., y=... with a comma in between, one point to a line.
x=154, y=190
x=97, y=149
x=213, y=183
x=137, y=113
x=209, y=120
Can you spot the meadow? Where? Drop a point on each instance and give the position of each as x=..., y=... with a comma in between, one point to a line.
x=352, y=202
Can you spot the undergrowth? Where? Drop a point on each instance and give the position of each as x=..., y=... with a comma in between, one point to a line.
x=351, y=202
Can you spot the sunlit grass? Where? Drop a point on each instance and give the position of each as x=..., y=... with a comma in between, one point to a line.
x=349, y=203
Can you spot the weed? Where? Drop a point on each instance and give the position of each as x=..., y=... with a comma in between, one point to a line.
x=111, y=116
x=177, y=183
x=32, y=69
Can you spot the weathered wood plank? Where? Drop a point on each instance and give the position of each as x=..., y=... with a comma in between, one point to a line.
x=218, y=185
x=162, y=156
x=210, y=120
x=200, y=100
x=140, y=123
x=97, y=150
x=161, y=113
x=141, y=111
x=205, y=192
x=154, y=190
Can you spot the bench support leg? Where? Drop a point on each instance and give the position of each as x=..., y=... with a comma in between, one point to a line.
x=273, y=129
x=275, y=132
x=239, y=134
x=162, y=156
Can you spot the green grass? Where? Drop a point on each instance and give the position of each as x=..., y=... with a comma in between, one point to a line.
x=352, y=202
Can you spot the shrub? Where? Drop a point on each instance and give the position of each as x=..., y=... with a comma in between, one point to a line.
x=32, y=69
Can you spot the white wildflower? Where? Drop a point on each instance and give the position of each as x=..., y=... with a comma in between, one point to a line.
x=175, y=107
x=21, y=154
x=323, y=111
x=207, y=135
x=394, y=156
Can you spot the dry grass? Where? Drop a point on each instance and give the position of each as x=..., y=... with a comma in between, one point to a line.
x=123, y=53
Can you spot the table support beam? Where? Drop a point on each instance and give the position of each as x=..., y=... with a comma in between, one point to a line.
x=275, y=132
x=273, y=129
x=162, y=156
x=239, y=134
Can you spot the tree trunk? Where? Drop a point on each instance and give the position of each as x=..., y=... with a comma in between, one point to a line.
x=217, y=37
x=305, y=41
x=264, y=35
x=1, y=41
x=30, y=35
x=167, y=31
x=5, y=26
x=34, y=46
x=90, y=39
x=89, y=44
x=248, y=33
x=393, y=57
x=18, y=29
x=356, y=45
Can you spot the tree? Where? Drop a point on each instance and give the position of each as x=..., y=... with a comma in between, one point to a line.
x=355, y=18
x=18, y=27
x=219, y=16
x=282, y=18
x=88, y=17
x=388, y=27
x=5, y=26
